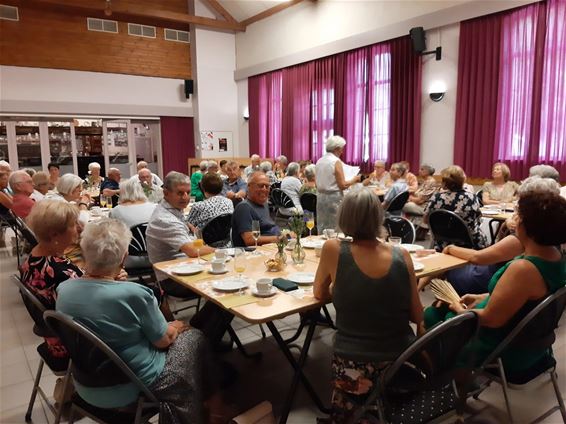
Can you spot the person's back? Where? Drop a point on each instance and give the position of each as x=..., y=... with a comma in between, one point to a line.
x=372, y=297
x=133, y=214
x=291, y=187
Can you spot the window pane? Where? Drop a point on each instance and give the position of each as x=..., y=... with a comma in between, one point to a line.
x=60, y=148
x=27, y=143
x=3, y=143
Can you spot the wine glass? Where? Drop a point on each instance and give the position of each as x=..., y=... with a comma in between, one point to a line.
x=198, y=242
x=310, y=222
x=102, y=201
x=240, y=264
x=256, y=232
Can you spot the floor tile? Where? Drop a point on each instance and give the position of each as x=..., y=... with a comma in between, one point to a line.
x=15, y=373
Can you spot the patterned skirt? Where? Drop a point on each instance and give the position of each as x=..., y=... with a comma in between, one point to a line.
x=327, y=210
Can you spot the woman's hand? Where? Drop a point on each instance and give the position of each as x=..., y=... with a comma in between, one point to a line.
x=180, y=326
x=446, y=249
x=122, y=275
x=472, y=300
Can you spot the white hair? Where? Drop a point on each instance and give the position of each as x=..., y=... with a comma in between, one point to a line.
x=211, y=164
x=67, y=183
x=538, y=184
x=293, y=169
x=282, y=159
x=334, y=142
x=203, y=165
x=310, y=172
x=131, y=191
x=544, y=171
x=254, y=156
x=104, y=244
x=17, y=177
x=5, y=165
x=93, y=165
x=265, y=166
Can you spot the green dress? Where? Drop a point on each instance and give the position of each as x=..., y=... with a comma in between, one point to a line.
x=195, y=189
x=514, y=360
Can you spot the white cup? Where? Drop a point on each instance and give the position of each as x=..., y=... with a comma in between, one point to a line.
x=220, y=254
x=329, y=233
x=218, y=265
x=264, y=285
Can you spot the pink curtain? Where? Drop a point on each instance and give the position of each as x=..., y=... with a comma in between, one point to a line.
x=177, y=143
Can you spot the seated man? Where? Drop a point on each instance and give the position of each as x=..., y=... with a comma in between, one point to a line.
x=254, y=166
x=397, y=173
x=154, y=193
x=195, y=180
x=142, y=164
x=235, y=187
x=110, y=187
x=254, y=208
x=22, y=187
x=167, y=235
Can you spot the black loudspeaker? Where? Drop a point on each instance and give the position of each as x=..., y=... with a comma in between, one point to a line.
x=418, y=38
x=188, y=88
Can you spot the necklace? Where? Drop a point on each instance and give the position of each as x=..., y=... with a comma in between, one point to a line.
x=87, y=275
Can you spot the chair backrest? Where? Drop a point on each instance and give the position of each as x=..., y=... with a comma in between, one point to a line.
x=94, y=363
x=218, y=229
x=399, y=226
x=398, y=202
x=432, y=356
x=276, y=184
x=138, y=246
x=280, y=199
x=479, y=195
x=536, y=329
x=308, y=202
x=22, y=228
x=447, y=227
x=34, y=307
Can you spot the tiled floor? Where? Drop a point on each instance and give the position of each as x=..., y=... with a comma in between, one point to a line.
x=267, y=379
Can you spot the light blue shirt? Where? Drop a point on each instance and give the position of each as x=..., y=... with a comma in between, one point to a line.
x=125, y=315
x=398, y=187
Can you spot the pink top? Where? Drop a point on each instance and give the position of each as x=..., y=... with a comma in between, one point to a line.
x=21, y=205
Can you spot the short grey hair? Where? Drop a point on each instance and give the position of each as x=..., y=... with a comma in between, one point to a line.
x=283, y=159
x=254, y=175
x=255, y=156
x=334, y=142
x=5, y=165
x=538, y=184
x=544, y=171
x=293, y=169
x=379, y=163
x=211, y=164
x=131, y=191
x=203, y=165
x=17, y=177
x=104, y=244
x=361, y=215
x=173, y=179
x=429, y=169
x=400, y=166
x=30, y=171
x=310, y=172
x=265, y=166
x=93, y=165
x=67, y=183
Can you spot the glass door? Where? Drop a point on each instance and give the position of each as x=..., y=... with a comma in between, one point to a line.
x=146, y=138
x=119, y=152
x=28, y=145
x=4, y=154
x=61, y=146
x=88, y=139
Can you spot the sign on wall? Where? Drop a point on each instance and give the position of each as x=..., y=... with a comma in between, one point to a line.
x=212, y=142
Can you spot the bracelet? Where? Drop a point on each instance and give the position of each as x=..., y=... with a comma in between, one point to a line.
x=83, y=204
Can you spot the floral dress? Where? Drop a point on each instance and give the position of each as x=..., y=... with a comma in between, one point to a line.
x=466, y=206
x=42, y=275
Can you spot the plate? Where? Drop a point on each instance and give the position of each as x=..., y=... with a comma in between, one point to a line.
x=411, y=247
x=210, y=271
x=188, y=269
x=490, y=212
x=272, y=292
x=344, y=237
x=419, y=266
x=229, y=284
x=311, y=244
x=302, y=277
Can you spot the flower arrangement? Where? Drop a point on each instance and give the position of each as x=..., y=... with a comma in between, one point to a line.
x=297, y=225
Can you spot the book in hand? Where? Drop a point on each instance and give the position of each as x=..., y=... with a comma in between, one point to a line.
x=444, y=291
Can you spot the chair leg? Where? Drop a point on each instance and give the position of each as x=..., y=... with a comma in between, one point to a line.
x=505, y=387
x=72, y=414
x=328, y=317
x=34, y=390
x=558, y=394
x=241, y=347
x=66, y=382
x=262, y=331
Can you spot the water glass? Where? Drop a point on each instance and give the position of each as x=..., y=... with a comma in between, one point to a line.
x=394, y=241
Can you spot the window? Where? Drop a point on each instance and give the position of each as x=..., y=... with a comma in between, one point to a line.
x=322, y=113
x=381, y=107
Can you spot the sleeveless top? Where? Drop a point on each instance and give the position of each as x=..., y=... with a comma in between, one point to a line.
x=372, y=314
x=325, y=177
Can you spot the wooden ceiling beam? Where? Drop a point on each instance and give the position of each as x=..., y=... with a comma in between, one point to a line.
x=271, y=11
x=215, y=4
x=134, y=14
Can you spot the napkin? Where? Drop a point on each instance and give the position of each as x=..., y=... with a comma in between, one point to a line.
x=285, y=285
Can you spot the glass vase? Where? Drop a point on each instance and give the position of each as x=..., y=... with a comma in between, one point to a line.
x=298, y=253
x=281, y=256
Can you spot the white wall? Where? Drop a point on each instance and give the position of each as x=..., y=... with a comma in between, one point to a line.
x=217, y=94
x=54, y=91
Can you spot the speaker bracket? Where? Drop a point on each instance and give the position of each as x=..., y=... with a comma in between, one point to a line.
x=437, y=52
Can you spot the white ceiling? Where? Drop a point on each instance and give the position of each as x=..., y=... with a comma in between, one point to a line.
x=244, y=9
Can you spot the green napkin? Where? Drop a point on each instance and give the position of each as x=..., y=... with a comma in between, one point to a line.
x=285, y=285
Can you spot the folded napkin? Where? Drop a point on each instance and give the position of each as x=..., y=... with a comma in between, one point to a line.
x=285, y=285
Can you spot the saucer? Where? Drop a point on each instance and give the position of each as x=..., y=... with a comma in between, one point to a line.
x=271, y=292
x=224, y=271
x=187, y=269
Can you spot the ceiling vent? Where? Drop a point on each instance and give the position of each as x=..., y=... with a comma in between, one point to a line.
x=141, y=30
x=102, y=25
x=175, y=35
x=9, y=13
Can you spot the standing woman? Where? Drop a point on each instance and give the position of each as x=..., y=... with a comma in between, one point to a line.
x=330, y=183
x=500, y=189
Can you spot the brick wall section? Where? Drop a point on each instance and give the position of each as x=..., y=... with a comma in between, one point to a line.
x=46, y=39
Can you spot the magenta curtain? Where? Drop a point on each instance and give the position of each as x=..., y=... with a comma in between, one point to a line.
x=177, y=143
x=406, y=72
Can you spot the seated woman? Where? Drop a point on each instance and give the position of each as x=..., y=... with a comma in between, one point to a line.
x=169, y=358
x=500, y=190
x=309, y=186
x=379, y=177
x=55, y=226
x=464, y=204
x=291, y=186
x=520, y=285
x=372, y=286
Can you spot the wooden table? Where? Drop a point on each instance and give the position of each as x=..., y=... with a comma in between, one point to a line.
x=495, y=221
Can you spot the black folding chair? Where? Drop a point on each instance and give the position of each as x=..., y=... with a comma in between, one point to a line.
x=398, y=226
x=217, y=232
x=308, y=202
x=25, y=239
x=419, y=385
x=479, y=195
x=449, y=228
x=94, y=364
x=396, y=205
x=280, y=199
x=140, y=266
x=276, y=184
x=57, y=365
x=534, y=331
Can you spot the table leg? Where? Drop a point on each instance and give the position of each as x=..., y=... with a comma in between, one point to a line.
x=297, y=367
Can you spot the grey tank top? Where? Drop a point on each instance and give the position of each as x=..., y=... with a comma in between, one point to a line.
x=372, y=314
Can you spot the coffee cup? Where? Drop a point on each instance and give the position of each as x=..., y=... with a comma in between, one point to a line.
x=220, y=254
x=264, y=285
x=218, y=265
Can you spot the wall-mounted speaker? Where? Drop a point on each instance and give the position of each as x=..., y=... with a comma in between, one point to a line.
x=188, y=88
x=418, y=38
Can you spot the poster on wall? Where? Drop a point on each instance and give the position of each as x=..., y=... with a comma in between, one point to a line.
x=215, y=141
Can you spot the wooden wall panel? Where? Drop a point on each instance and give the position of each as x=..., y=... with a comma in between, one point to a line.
x=43, y=39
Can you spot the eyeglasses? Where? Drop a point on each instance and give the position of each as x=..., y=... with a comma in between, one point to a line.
x=261, y=185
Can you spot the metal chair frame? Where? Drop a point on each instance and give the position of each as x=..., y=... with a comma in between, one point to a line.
x=223, y=221
x=398, y=202
x=449, y=215
x=393, y=223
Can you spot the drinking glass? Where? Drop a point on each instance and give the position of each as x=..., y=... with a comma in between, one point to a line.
x=240, y=264
x=310, y=222
x=198, y=242
x=256, y=232
x=395, y=241
x=102, y=201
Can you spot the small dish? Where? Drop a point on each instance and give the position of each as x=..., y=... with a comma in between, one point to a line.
x=311, y=244
x=418, y=266
x=188, y=269
x=229, y=284
x=271, y=292
x=490, y=212
x=302, y=277
x=224, y=271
